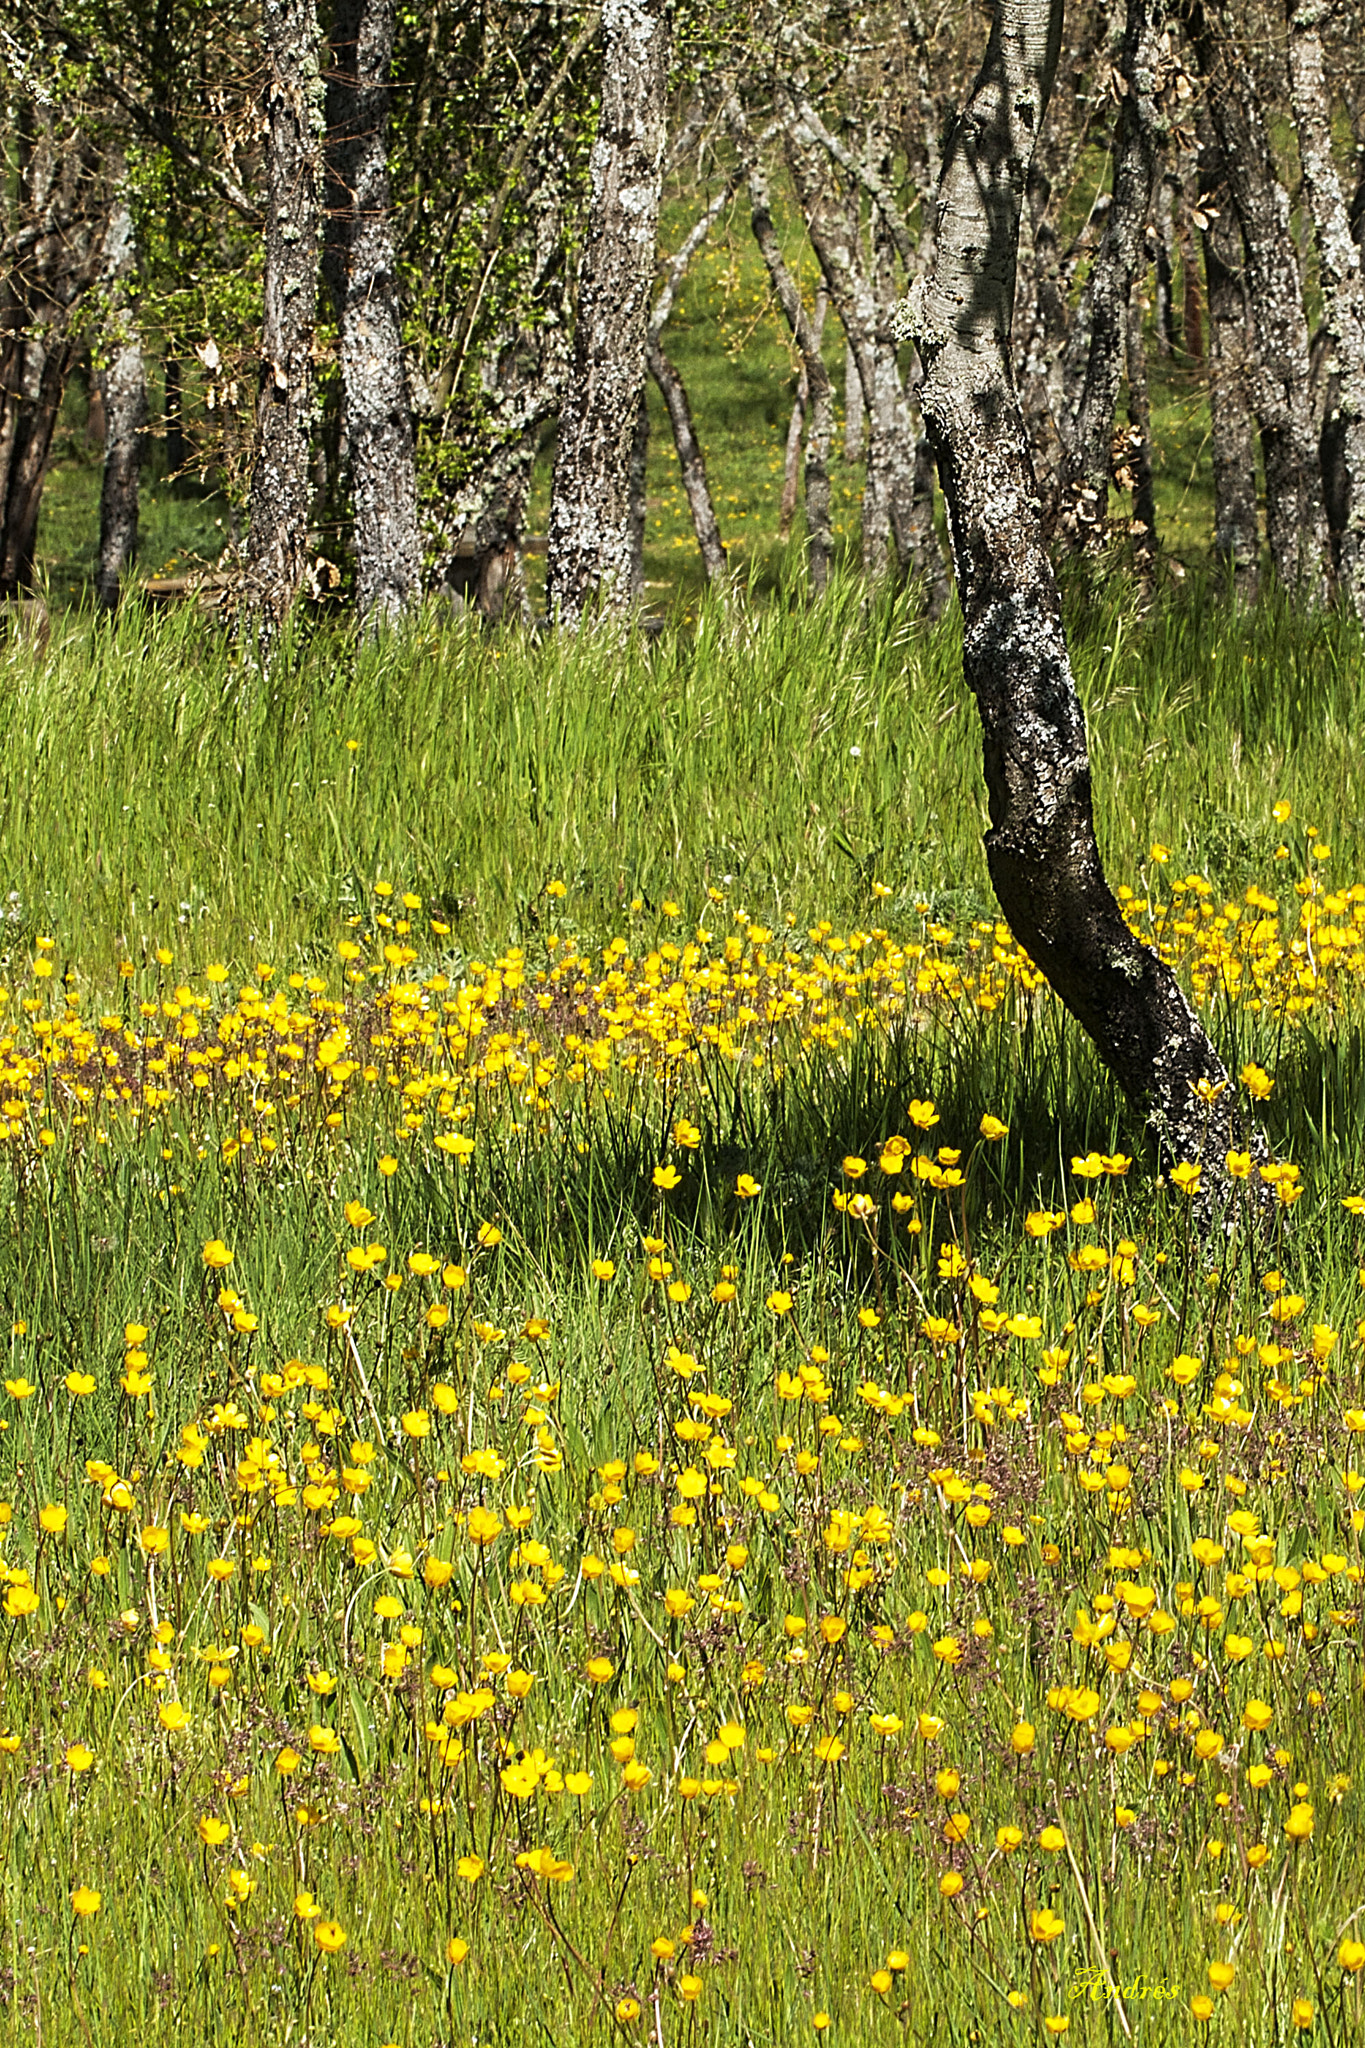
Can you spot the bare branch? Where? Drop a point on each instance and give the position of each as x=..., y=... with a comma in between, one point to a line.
x=152, y=124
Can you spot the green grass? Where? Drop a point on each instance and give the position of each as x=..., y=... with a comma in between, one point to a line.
x=160, y=791
x=225, y=1022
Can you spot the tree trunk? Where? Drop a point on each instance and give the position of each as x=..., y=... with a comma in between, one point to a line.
x=691, y=463
x=1138, y=461
x=819, y=400
x=1165, y=326
x=639, y=502
x=1192, y=304
x=523, y=368
x=855, y=409
x=1343, y=292
x=864, y=296
x=48, y=265
x=907, y=457
x=1296, y=519
x=277, y=536
x=1042, y=326
x=123, y=384
x=1041, y=848
x=177, y=446
x=1136, y=163
x=589, y=551
x=360, y=268
x=791, y=454
x=833, y=230
x=1232, y=425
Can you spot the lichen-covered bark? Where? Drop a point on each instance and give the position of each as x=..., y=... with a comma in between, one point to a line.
x=360, y=268
x=590, y=544
x=1295, y=514
x=818, y=398
x=1232, y=423
x=123, y=385
x=1137, y=159
x=281, y=482
x=1342, y=285
x=639, y=465
x=1041, y=847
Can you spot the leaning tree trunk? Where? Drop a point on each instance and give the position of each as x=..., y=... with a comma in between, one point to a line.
x=1137, y=160
x=360, y=267
x=691, y=463
x=1343, y=292
x=1232, y=424
x=590, y=536
x=819, y=392
x=1295, y=513
x=281, y=478
x=691, y=460
x=1041, y=848
x=123, y=386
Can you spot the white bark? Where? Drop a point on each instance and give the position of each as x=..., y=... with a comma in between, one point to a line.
x=1342, y=285
x=590, y=550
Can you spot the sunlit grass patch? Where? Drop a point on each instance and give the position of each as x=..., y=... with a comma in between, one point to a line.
x=687, y=1483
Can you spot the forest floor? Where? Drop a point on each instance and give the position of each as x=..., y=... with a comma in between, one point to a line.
x=609, y=1432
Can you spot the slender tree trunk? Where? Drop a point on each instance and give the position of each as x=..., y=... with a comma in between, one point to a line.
x=833, y=231
x=1232, y=424
x=855, y=410
x=691, y=463
x=1041, y=848
x=281, y=475
x=523, y=369
x=791, y=456
x=1165, y=269
x=897, y=435
x=1192, y=304
x=60, y=210
x=1296, y=518
x=819, y=403
x=1139, y=458
x=177, y=446
x=1343, y=291
x=361, y=271
x=123, y=383
x=1121, y=251
x=864, y=296
x=589, y=554
x=1042, y=326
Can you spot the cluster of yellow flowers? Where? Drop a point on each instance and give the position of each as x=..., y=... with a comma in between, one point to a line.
x=1041, y=1566
x=535, y=1033
x=638, y=1645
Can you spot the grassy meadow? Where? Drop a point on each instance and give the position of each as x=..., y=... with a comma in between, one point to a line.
x=607, y=1433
